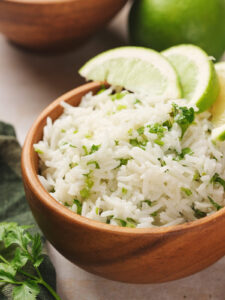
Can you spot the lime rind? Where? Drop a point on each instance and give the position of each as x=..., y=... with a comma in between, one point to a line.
x=218, y=134
x=204, y=89
x=218, y=109
x=137, y=69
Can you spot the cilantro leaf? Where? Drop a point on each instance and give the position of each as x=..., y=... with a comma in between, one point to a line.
x=79, y=206
x=28, y=290
x=183, y=116
x=217, y=179
x=216, y=205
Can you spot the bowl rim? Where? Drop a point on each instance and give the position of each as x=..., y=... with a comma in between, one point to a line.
x=39, y=1
x=31, y=177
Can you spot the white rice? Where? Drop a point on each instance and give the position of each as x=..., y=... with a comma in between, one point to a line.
x=176, y=190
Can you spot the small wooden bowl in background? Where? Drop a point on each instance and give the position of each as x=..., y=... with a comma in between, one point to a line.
x=132, y=255
x=54, y=24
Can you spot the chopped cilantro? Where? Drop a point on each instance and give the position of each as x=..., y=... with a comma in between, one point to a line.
x=162, y=162
x=154, y=214
x=66, y=204
x=131, y=223
x=184, y=151
x=121, y=107
x=52, y=190
x=168, y=124
x=95, y=163
x=121, y=222
x=94, y=148
x=72, y=146
x=103, y=88
x=141, y=130
x=159, y=142
x=130, y=131
x=108, y=219
x=75, y=131
x=38, y=151
x=98, y=211
x=198, y=213
x=217, y=179
x=85, y=150
x=73, y=164
x=196, y=176
x=89, y=135
x=147, y=202
x=85, y=192
x=183, y=116
x=123, y=162
x=187, y=191
x=137, y=101
x=124, y=191
x=116, y=142
x=157, y=129
x=79, y=206
x=118, y=96
x=63, y=130
x=136, y=143
x=216, y=205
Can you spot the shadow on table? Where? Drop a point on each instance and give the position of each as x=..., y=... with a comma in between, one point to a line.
x=55, y=74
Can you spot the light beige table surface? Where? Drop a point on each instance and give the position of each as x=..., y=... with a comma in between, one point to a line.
x=30, y=82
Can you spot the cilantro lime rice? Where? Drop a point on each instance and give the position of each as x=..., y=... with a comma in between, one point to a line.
x=124, y=160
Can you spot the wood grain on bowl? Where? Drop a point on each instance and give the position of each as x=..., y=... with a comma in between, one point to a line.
x=54, y=24
x=133, y=255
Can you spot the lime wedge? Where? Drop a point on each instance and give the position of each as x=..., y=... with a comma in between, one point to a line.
x=197, y=74
x=218, y=109
x=136, y=69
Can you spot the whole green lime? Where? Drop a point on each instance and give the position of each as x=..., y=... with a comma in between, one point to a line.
x=160, y=24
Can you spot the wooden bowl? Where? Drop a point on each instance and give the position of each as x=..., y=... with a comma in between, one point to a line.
x=118, y=253
x=54, y=24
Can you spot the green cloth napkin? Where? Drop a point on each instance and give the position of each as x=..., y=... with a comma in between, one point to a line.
x=13, y=204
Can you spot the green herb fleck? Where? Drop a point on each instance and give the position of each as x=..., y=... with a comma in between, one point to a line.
x=196, y=176
x=123, y=162
x=141, y=130
x=94, y=148
x=124, y=191
x=108, y=219
x=73, y=164
x=98, y=211
x=63, y=130
x=168, y=124
x=136, y=143
x=187, y=191
x=85, y=150
x=103, y=88
x=159, y=142
x=216, y=205
x=130, y=131
x=121, y=222
x=198, y=213
x=95, y=163
x=72, y=146
x=184, y=151
x=38, y=151
x=85, y=192
x=147, y=202
x=121, y=107
x=116, y=142
x=162, y=162
x=75, y=131
x=154, y=214
x=79, y=206
x=89, y=135
x=131, y=223
x=67, y=204
x=137, y=101
x=157, y=129
x=118, y=96
x=217, y=179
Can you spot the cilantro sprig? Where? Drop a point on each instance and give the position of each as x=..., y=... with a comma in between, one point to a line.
x=25, y=249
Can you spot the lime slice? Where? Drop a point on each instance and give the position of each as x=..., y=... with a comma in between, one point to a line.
x=197, y=74
x=218, y=109
x=136, y=69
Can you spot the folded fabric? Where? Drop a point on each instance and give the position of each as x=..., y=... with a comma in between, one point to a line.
x=13, y=204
